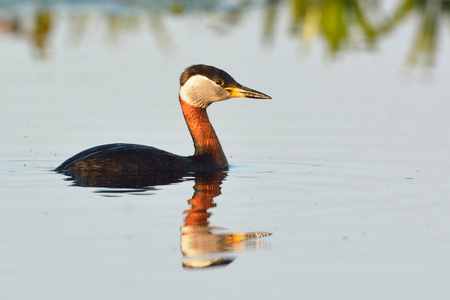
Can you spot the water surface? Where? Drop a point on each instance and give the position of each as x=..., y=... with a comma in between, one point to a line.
x=347, y=166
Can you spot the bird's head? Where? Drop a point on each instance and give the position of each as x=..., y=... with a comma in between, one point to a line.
x=201, y=85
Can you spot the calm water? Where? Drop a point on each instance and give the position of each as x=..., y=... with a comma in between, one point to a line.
x=347, y=166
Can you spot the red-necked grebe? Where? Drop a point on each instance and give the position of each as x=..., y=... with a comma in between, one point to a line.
x=200, y=86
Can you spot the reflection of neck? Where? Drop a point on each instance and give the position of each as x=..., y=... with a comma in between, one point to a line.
x=206, y=143
x=201, y=201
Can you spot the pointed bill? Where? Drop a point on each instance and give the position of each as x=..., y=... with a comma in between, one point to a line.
x=245, y=92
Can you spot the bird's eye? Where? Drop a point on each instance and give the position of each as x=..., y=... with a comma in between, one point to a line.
x=219, y=82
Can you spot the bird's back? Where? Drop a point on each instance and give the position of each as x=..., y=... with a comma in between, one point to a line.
x=124, y=158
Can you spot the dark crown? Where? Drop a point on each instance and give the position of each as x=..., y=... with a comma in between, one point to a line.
x=213, y=73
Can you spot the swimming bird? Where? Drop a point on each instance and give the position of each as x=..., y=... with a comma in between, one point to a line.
x=200, y=86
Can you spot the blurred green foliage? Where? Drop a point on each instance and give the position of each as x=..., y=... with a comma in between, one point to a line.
x=342, y=24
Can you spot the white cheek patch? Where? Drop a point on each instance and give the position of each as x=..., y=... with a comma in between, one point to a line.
x=200, y=91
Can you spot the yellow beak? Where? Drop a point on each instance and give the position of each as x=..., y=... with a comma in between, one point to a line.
x=245, y=92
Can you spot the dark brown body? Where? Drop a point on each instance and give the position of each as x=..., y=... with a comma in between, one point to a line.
x=134, y=159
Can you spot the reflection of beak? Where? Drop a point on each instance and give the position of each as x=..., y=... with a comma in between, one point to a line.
x=245, y=92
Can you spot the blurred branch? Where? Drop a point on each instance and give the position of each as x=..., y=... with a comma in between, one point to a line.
x=160, y=32
x=337, y=22
x=78, y=23
x=271, y=13
x=424, y=47
x=119, y=24
x=42, y=26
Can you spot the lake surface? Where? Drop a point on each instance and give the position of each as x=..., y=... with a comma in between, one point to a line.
x=347, y=166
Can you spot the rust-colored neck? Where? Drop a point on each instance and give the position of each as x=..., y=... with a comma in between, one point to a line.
x=206, y=144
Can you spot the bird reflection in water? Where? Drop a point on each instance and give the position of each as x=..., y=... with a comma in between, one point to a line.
x=201, y=244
